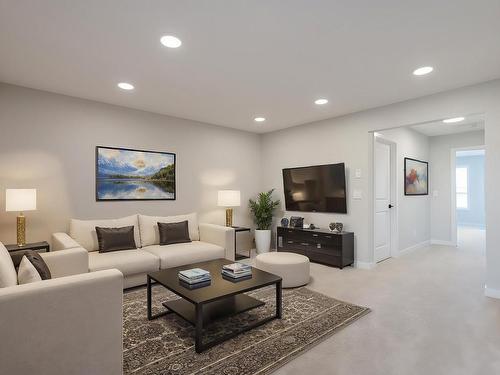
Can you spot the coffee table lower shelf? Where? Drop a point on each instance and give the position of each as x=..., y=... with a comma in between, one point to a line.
x=215, y=310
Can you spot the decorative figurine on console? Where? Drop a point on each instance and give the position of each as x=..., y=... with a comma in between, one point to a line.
x=336, y=227
x=297, y=222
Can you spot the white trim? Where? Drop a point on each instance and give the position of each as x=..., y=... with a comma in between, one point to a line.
x=443, y=243
x=415, y=247
x=364, y=265
x=493, y=293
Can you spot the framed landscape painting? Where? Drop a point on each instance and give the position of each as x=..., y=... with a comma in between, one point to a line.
x=416, y=177
x=125, y=174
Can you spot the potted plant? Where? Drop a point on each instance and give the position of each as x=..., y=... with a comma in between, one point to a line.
x=262, y=210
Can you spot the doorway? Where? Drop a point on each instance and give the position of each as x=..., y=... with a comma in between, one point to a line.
x=385, y=198
x=468, y=196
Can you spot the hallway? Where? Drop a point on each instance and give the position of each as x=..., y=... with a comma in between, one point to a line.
x=429, y=316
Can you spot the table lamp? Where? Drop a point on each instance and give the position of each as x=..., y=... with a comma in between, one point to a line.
x=229, y=199
x=20, y=200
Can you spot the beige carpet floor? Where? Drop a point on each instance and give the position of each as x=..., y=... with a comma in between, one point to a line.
x=429, y=316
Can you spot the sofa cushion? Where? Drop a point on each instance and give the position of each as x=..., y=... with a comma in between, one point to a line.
x=8, y=275
x=83, y=231
x=149, y=227
x=27, y=272
x=115, y=239
x=129, y=262
x=171, y=233
x=185, y=253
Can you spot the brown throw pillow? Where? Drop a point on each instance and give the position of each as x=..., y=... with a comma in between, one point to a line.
x=115, y=239
x=39, y=264
x=171, y=233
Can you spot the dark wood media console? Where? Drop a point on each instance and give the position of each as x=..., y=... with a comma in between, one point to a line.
x=319, y=245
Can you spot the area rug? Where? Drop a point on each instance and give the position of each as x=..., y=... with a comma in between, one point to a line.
x=166, y=345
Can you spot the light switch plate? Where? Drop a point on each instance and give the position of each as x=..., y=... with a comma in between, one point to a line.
x=435, y=193
x=358, y=173
x=357, y=194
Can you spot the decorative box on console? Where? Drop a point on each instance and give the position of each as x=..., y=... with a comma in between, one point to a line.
x=319, y=245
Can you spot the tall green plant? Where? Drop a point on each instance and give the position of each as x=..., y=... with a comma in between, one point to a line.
x=262, y=209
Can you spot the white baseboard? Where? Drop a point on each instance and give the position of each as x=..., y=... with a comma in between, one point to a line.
x=493, y=293
x=364, y=265
x=414, y=247
x=443, y=243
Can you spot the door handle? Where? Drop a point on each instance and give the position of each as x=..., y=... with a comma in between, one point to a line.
x=390, y=206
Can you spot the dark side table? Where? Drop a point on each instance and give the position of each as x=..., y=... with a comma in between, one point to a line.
x=37, y=246
x=236, y=231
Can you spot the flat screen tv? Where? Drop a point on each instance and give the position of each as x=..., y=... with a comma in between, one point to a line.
x=319, y=188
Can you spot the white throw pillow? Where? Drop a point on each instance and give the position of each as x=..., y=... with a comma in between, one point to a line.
x=8, y=275
x=27, y=272
x=149, y=227
x=83, y=231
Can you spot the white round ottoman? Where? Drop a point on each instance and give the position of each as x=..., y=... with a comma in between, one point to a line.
x=293, y=268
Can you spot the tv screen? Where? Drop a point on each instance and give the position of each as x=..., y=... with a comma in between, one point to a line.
x=319, y=188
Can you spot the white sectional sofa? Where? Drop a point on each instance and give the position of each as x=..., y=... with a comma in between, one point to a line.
x=70, y=324
x=208, y=241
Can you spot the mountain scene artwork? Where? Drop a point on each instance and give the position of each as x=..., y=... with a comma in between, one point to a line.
x=124, y=174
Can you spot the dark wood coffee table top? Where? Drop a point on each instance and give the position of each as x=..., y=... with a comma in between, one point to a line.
x=219, y=287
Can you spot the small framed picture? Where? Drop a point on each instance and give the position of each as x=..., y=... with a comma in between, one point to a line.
x=416, y=177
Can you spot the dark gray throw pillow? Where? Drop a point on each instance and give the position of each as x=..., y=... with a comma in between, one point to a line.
x=115, y=239
x=39, y=264
x=171, y=233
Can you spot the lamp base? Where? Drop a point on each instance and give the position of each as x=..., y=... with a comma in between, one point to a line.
x=229, y=217
x=21, y=230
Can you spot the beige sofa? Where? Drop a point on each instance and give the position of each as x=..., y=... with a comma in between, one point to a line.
x=70, y=324
x=208, y=241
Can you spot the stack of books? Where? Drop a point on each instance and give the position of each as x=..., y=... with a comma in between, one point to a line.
x=194, y=278
x=237, y=271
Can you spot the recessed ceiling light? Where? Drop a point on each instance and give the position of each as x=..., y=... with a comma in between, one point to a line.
x=321, y=101
x=453, y=120
x=423, y=71
x=259, y=119
x=125, y=86
x=170, y=41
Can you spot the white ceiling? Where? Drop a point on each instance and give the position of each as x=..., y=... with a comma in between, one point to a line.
x=240, y=59
x=434, y=128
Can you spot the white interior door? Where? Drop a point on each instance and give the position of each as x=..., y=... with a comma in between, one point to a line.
x=382, y=227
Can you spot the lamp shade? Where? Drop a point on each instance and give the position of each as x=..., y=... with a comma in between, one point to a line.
x=229, y=198
x=20, y=200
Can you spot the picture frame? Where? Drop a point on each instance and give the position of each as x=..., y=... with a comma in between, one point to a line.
x=125, y=174
x=416, y=177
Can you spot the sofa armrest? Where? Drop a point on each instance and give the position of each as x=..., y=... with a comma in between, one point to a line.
x=219, y=235
x=67, y=262
x=61, y=241
x=69, y=325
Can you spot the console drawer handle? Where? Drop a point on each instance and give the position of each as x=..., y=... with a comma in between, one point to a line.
x=305, y=244
x=315, y=235
x=290, y=241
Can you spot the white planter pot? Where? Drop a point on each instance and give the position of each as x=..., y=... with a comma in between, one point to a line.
x=262, y=240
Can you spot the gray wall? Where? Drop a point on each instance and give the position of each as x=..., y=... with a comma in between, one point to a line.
x=474, y=214
x=413, y=211
x=47, y=142
x=440, y=179
x=347, y=139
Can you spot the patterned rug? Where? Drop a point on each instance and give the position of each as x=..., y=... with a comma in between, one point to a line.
x=166, y=345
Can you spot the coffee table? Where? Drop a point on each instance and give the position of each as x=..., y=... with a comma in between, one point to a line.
x=220, y=299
